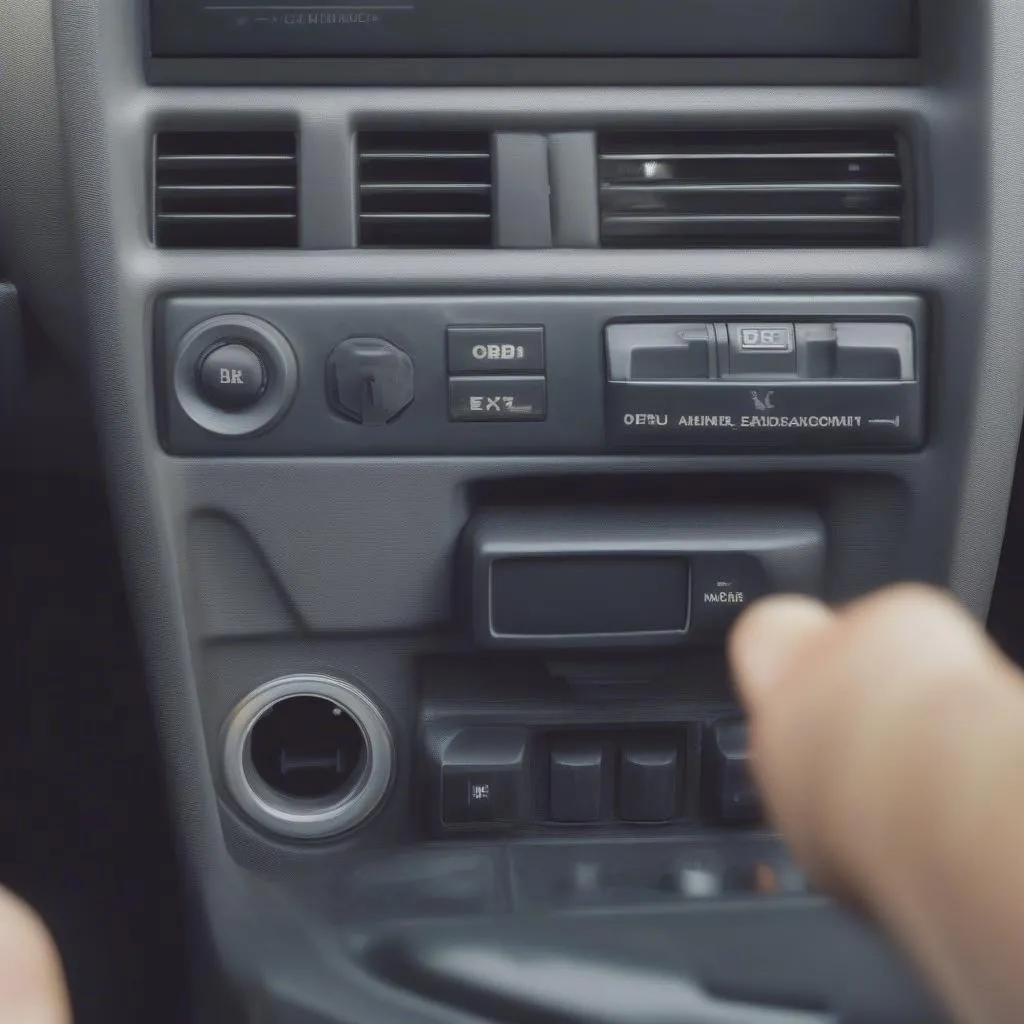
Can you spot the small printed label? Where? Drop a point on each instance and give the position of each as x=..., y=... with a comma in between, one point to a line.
x=766, y=339
x=659, y=420
x=499, y=353
x=499, y=404
x=483, y=399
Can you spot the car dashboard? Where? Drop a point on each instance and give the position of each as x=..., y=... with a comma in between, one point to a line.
x=461, y=373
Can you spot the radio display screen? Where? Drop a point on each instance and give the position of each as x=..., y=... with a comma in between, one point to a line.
x=535, y=28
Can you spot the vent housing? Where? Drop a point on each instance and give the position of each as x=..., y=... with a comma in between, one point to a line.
x=700, y=189
x=425, y=190
x=226, y=190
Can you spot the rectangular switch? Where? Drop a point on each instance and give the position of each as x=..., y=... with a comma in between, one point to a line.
x=876, y=352
x=485, y=777
x=649, y=783
x=660, y=351
x=577, y=781
x=757, y=350
x=482, y=351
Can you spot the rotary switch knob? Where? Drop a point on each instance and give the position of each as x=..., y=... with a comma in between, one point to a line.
x=370, y=380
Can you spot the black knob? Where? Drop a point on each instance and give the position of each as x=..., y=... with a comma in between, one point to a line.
x=232, y=376
x=369, y=380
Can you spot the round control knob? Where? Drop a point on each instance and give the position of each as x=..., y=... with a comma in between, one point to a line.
x=235, y=375
x=232, y=376
x=369, y=380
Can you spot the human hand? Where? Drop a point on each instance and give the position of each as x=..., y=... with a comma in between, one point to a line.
x=31, y=980
x=888, y=739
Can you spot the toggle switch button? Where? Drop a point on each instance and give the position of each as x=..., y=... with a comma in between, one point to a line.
x=663, y=352
x=816, y=350
x=577, y=782
x=730, y=794
x=648, y=783
x=485, y=777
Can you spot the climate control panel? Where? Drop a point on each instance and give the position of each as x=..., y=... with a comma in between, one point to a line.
x=381, y=375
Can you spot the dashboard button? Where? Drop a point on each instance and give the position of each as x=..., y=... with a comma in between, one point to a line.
x=875, y=351
x=648, y=783
x=816, y=346
x=497, y=399
x=730, y=794
x=663, y=352
x=758, y=349
x=488, y=350
x=577, y=782
x=484, y=777
x=866, y=363
x=232, y=376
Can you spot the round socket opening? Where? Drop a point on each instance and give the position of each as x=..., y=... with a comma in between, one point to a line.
x=307, y=748
x=308, y=756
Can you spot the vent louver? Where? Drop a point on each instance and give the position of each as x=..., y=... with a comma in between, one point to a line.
x=425, y=190
x=749, y=189
x=226, y=190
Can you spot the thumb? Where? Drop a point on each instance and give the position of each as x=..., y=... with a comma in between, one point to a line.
x=31, y=980
x=889, y=740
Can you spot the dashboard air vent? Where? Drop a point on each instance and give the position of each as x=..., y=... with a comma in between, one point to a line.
x=696, y=189
x=226, y=190
x=425, y=190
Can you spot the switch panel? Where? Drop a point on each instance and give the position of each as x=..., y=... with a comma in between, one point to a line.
x=569, y=777
x=542, y=374
x=813, y=385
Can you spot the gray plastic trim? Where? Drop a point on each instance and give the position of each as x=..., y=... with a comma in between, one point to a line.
x=522, y=208
x=282, y=371
x=575, y=206
x=302, y=819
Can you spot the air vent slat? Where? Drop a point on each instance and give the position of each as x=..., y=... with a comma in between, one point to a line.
x=226, y=190
x=762, y=187
x=425, y=186
x=759, y=188
x=425, y=190
x=424, y=155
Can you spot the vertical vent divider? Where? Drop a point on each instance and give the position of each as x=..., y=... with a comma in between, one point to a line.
x=700, y=189
x=426, y=189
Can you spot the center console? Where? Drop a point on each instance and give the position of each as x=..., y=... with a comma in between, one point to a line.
x=463, y=374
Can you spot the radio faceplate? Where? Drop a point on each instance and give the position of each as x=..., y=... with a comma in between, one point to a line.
x=548, y=375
